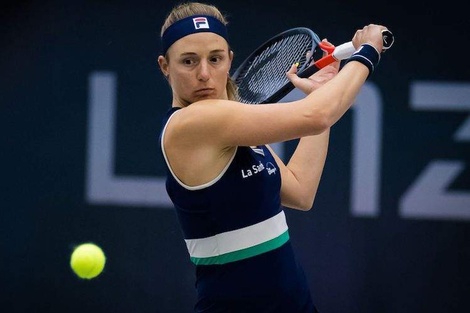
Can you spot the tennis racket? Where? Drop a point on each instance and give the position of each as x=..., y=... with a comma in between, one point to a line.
x=261, y=78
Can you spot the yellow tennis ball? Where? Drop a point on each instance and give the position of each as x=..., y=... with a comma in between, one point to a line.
x=87, y=260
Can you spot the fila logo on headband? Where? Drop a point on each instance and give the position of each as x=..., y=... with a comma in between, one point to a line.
x=191, y=25
x=200, y=22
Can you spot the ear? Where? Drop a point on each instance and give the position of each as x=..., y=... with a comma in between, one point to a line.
x=230, y=54
x=163, y=64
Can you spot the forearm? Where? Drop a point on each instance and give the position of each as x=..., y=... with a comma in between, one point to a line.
x=304, y=169
x=330, y=102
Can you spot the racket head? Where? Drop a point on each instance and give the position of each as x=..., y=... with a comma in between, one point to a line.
x=261, y=77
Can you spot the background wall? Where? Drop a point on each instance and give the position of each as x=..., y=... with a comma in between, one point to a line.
x=81, y=103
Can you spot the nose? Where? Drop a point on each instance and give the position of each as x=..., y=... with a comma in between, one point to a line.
x=203, y=71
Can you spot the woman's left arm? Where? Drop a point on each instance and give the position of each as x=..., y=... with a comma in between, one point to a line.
x=301, y=175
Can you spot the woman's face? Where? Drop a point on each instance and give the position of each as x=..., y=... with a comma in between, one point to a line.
x=197, y=68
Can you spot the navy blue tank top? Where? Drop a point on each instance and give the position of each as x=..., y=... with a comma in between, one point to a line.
x=236, y=233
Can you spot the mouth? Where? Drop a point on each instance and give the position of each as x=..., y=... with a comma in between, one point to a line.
x=204, y=92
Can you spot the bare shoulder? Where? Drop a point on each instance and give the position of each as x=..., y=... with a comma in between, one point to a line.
x=202, y=121
x=193, y=152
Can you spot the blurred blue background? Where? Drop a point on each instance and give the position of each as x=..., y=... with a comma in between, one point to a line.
x=80, y=109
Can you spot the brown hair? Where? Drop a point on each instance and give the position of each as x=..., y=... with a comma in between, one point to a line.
x=186, y=9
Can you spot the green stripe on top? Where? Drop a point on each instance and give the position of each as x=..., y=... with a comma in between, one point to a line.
x=244, y=253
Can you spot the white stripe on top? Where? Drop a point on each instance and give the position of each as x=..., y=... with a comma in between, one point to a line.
x=238, y=239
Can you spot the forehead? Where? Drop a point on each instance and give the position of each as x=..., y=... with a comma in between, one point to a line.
x=199, y=43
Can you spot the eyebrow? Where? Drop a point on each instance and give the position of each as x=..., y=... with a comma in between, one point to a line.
x=194, y=53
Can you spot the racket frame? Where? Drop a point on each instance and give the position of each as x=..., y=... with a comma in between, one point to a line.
x=310, y=67
x=245, y=66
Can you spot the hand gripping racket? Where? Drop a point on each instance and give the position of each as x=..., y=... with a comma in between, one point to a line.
x=261, y=78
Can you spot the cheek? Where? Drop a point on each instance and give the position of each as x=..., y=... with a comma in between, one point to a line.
x=222, y=74
x=183, y=82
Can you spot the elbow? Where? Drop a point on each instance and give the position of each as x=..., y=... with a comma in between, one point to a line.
x=305, y=204
x=324, y=113
x=321, y=120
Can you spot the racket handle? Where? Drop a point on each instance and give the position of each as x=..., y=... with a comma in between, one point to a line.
x=339, y=53
x=345, y=50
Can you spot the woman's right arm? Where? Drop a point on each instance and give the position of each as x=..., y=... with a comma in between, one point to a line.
x=223, y=123
x=329, y=103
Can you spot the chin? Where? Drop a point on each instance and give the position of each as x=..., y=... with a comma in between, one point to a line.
x=206, y=97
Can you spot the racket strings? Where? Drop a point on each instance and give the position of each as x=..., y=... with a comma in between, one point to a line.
x=266, y=74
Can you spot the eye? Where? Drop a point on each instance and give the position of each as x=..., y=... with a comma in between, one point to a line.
x=188, y=61
x=216, y=59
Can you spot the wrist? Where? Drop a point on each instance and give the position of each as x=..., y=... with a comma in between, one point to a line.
x=368, y=56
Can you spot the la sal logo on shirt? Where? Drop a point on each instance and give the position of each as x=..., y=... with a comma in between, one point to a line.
x=258, y=168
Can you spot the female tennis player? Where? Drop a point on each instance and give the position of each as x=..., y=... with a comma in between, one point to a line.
x=228, y=186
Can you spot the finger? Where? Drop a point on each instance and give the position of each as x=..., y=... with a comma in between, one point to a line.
x=292, y=76
x=293, y=69
x=325, y=53
x=308, y=56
